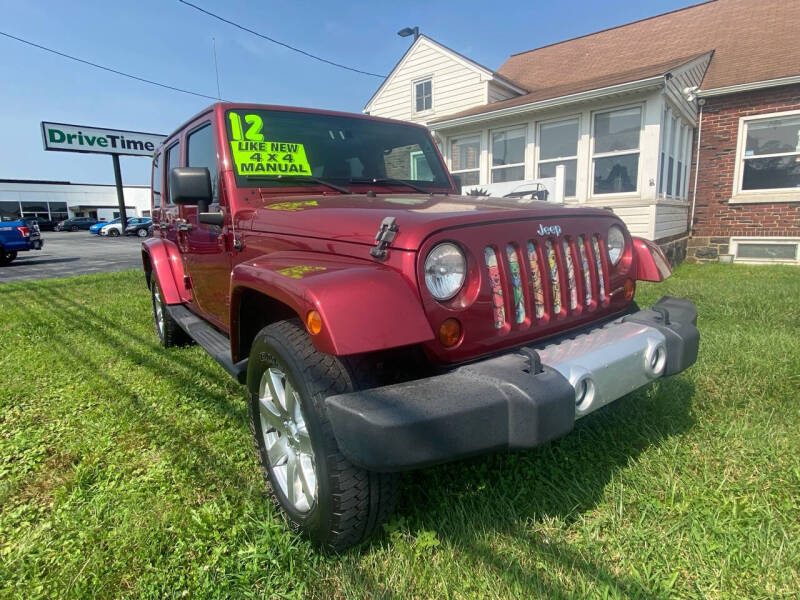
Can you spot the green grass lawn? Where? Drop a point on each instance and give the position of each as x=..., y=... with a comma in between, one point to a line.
x=126, y=470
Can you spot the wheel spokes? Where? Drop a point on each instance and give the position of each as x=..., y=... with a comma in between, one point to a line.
x=269, y=416
x=279, y=452
x=308, y=477
x=277, y=390
x=291, y=478
x=305, y=440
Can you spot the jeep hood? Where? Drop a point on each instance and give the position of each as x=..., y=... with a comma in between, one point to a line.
x=357, y=218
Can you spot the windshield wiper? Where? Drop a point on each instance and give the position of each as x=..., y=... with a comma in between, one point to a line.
x=389, y=181
x=301, y=179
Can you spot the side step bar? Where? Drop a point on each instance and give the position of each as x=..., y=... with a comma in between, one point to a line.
x=212, y=340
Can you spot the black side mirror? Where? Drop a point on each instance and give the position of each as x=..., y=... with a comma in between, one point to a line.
x=191, y=185
x=457, y=181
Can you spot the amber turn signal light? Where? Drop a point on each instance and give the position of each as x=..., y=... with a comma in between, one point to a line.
x=314, y=322
x=629, y=288
x=449, y=332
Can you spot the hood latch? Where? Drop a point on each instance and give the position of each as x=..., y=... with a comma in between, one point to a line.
x=385, y=235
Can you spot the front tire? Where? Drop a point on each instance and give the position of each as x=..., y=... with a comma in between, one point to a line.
x=334, y=502
x=74, y=228
x=6, y=257
x=113, y=233
x=142, y=233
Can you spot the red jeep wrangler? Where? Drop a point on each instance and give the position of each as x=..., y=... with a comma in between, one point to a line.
x=380, y=320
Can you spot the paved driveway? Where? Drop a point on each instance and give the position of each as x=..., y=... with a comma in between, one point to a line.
x=78, y=253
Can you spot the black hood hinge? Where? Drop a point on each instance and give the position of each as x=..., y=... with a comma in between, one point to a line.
x=385, y=235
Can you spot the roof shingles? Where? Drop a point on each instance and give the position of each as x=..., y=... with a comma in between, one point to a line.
x=753, y=40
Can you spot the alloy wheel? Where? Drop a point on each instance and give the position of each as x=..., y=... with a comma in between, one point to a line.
x=287, y=441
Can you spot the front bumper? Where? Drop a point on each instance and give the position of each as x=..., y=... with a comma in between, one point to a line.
x=517, y=400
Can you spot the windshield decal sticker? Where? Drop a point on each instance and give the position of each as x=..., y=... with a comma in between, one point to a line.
x=269, y=158
x=253, y=155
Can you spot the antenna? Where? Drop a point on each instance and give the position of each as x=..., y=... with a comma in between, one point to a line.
x=216, y=67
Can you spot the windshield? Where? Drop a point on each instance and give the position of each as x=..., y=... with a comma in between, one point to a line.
x=270, y=143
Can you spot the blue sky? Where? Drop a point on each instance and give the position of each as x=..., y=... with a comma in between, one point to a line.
x=169, y=42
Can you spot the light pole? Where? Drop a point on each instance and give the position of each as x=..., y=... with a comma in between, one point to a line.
x=407, y=31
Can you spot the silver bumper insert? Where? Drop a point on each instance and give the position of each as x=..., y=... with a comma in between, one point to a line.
x=605, y=364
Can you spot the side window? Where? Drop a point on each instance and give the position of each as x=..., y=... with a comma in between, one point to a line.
x=201, y=153
x=156, y=181
x=172, y=160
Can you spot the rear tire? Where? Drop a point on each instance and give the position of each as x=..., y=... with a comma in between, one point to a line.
x=113, y=232
x=169, y=332
x=332, y=501
x=142, y=233
x=7, y=257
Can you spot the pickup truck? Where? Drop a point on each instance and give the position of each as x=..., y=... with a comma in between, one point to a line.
x=380, y=320
x=17, y=236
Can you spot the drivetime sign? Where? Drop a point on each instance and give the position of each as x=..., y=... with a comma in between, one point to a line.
x=77, y=138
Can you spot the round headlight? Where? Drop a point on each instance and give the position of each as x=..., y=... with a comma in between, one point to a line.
x=445, y=271
x=616, y=243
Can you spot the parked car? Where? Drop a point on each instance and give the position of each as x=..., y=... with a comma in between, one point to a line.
x=143, y=228
x=75, y=224
x=42, y=223
x=115, y=229
x=17, y=236
x=95, y=229
x=383, y=322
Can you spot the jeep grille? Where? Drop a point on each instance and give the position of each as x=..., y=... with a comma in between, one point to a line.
x=545, y=278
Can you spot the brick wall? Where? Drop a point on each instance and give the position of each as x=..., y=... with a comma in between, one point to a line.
x=715, y=219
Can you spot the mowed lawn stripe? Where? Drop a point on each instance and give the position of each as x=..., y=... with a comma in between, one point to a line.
x=126, y=470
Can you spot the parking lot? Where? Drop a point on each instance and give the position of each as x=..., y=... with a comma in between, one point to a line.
x=74, y=253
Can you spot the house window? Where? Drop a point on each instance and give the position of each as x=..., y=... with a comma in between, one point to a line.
x=508, y=155
x=771, y=157
x=465, y=159
x=615, y=158
x=423, y=95
x=558, y=145
x=766, y=249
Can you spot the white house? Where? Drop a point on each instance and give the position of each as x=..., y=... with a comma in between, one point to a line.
x=57, y=200
x=624, y=138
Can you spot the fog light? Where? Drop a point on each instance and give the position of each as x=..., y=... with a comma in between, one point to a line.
x=630, y=287
x=314, y=322
x=449, y=332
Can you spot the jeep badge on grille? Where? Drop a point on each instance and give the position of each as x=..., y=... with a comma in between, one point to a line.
x=549, y=230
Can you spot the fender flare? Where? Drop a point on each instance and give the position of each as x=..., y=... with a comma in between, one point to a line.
x=165, y=263
x=365, y=307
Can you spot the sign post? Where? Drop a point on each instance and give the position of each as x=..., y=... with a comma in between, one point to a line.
x=62, y=137
x=123, y=217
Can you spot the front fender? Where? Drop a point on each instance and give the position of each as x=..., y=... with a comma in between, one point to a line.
x=166, y=266
x=364, y=306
